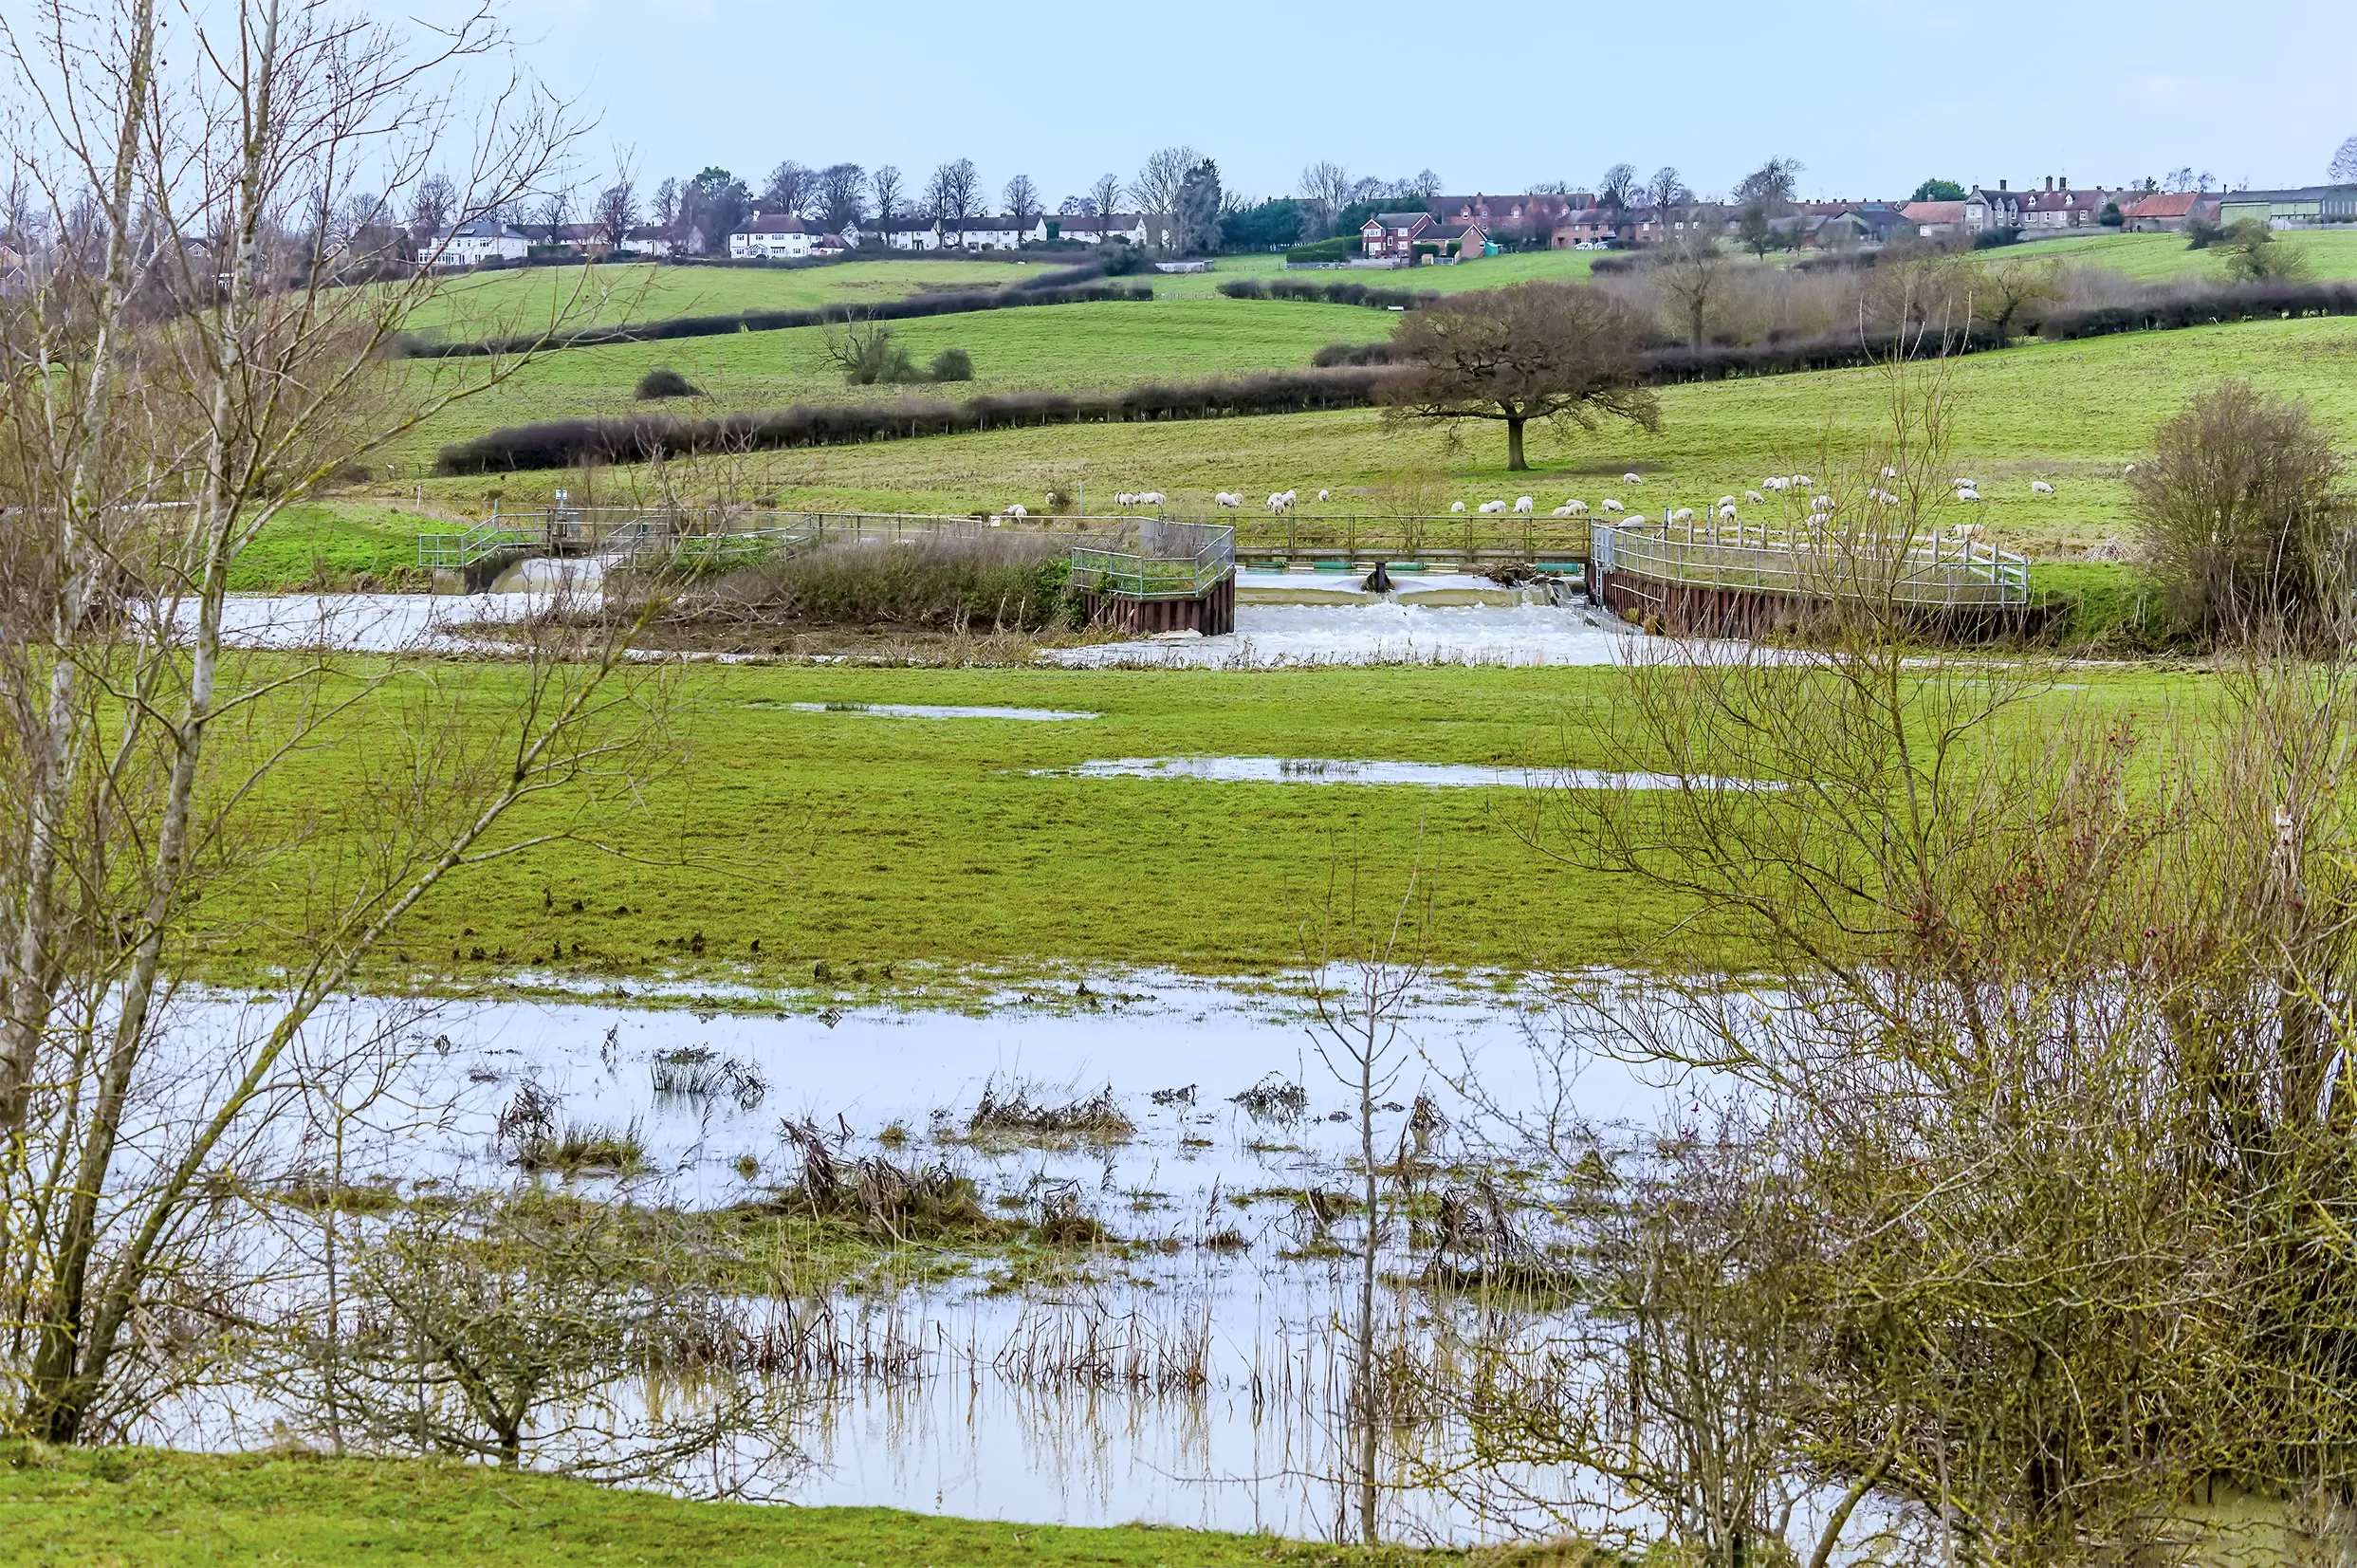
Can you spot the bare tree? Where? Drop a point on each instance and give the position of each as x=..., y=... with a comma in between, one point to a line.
x=2344, y=167
x=1324, y=190
x=884, y=185
x=1774, y=185
x=1106, y=193
x=953, y=197
x=1156, y=191
x=1692, y=272
x=432, y=207
x=138, y=746
x=616, y=211
x=791, y=189
x=665, y=209
x=1023, y=201
x=1618, y=187
x=1530, y=351
x=842, y=196
x=1666, y=190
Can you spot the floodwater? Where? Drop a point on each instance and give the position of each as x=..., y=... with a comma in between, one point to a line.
x=1227, y=1274
x=1378, y=632
x=1330, y=770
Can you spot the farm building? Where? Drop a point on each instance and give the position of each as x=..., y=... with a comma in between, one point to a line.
x=2169, y=211
x=2301, y=209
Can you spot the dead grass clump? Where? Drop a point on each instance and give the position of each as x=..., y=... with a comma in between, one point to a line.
x=1020, y=1110
x=903, y=1203
x=1276, y=1097
x=697, y=1073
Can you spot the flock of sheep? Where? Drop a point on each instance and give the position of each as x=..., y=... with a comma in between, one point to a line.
x=1962, y=488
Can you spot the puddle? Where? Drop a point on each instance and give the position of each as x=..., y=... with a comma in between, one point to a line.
x=928, y=711
x=1327, y=770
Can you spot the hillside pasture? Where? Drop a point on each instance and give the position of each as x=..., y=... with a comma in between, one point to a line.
x=2069, y=413
x=2164, y=258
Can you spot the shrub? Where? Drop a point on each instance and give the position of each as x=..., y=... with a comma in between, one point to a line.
x=1008, y=579
x=2244, y=516
x=2201, y=233
x=2204, y=306
x=1353, y=354
x=1340, y=248
x=953, y=365
x=1991, y=239
x=1122, y=258
x=2254, y=254
x=663, y=382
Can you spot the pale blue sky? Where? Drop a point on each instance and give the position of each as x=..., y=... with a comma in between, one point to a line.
x=1872, y=95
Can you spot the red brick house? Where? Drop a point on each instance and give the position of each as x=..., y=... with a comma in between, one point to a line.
x=1396, y=234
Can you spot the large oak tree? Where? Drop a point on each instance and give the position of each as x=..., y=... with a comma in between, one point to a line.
x=1543, y=351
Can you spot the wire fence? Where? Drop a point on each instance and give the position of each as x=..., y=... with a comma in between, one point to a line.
x=1827, y=562
x=1153, y=559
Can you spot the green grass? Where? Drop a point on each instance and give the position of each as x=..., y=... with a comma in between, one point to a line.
x=2162, y=258
x=333, y=545
x=1102, y=345
x=779, y=840
x=1488, y=272
x=121, y=1507
x=487, y=303
x=2072, y=413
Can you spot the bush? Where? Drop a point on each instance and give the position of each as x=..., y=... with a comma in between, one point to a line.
x=1341, y=292
x=663, y=382
x=2244, y=516
x=1992, y=239
x=1002, y=578
x=1353, y=354
x=2254, y=254
x=2201, y=233
x=953, y=365
x=1340, y=248
x=1122, y=258
x=2204, y=305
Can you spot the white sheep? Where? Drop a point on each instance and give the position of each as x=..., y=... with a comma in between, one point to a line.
x=1775, y=484
x=1325, y=495
x=1611, y=505
x=2039, y=486
x=1726, y=514
x=1890, y=474
x=1821, y=503
x=1523, y=505
x=1968, y=494
x=2130, y=469
x=1125, y=499
x=1493, y=507
x=1755, y=498
x=1965, y=484
x=1632, y=479
x=1803, y=481
x=1726, y=501
x=1456, y=506
x=1683, y=514
x=1226, y=498
x=1278, y=503
x=1575, y=506
x=1966, y=531
x=1151, y=498
x=1016, y=510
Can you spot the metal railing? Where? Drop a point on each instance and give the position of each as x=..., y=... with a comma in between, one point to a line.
x=1151, y=559
x=1466, y=537
x=1827, y=562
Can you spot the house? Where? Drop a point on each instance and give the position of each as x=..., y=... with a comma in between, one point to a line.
x=647, y=239
x=1986, y=210
x=1931, y=219
x=2168, y=212
x=833, y=245
x=1003, y=231
x=1532, y=217
x=779, y=236
x=581, y=238
x=2061, y=207
x=2301, y=209
x=1589, y=226
x=1389, y=236
x=1470, y=240
x=479, y=240
x=906, y=235
x=1096, y=228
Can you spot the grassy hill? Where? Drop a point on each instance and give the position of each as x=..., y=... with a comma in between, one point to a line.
x=1101, y=344
x=2070, y=413
x=486, y=304
x=2162, y=258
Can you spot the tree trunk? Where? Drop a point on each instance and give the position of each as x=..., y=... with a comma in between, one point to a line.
x=1514, y=445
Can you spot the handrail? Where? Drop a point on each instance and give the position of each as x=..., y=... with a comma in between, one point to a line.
x=1828, y=562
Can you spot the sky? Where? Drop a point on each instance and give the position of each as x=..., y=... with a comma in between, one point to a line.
x=1871, y=96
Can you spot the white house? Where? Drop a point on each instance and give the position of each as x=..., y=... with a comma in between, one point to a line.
x=1097, y=229
x=1003, y=231
x=777, y=237
x=479, y=240
x=908, y=235
x=648, y=239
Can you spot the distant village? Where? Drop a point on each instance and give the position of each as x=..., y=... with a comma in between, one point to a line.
x=1447, y=228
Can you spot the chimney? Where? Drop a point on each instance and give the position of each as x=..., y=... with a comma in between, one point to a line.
x=2050, y=183
x=2000, y=185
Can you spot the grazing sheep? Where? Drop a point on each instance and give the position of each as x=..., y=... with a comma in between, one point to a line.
x=1456, y=506
x=2039, y=486
x=1632, y=479
x=1726, y=501
x=2130, y=469
x=1775, y=484
x=1493, y=505
x=1965, y=484
x=1325, y=495
x=1968, y=494
x=1523, y=505
x=1966, y=531
x=1611, y=506
x=1125, y=499
x=1016, y=510
x=1575, y=506
x=1755, y=498
x=1803, y=481
x=1821, y=503
x=1890, y=474
x=1152, y=498
x=1726, y=514
x=1227, y=498
x=1683, y=514
x=1278, y=503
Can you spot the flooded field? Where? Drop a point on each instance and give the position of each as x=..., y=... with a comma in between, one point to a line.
x=1186, y=1370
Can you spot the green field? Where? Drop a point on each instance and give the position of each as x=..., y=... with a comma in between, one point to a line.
x=2072, y=413
x=2162, y=258
x=771, y=839
x=1062, y=346
x=529, y=298
x=121, y=1507
x=332, y=546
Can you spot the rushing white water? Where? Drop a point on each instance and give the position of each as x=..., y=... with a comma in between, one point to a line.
x=1334, y=770
x=1279, y=635
x=936, y=711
